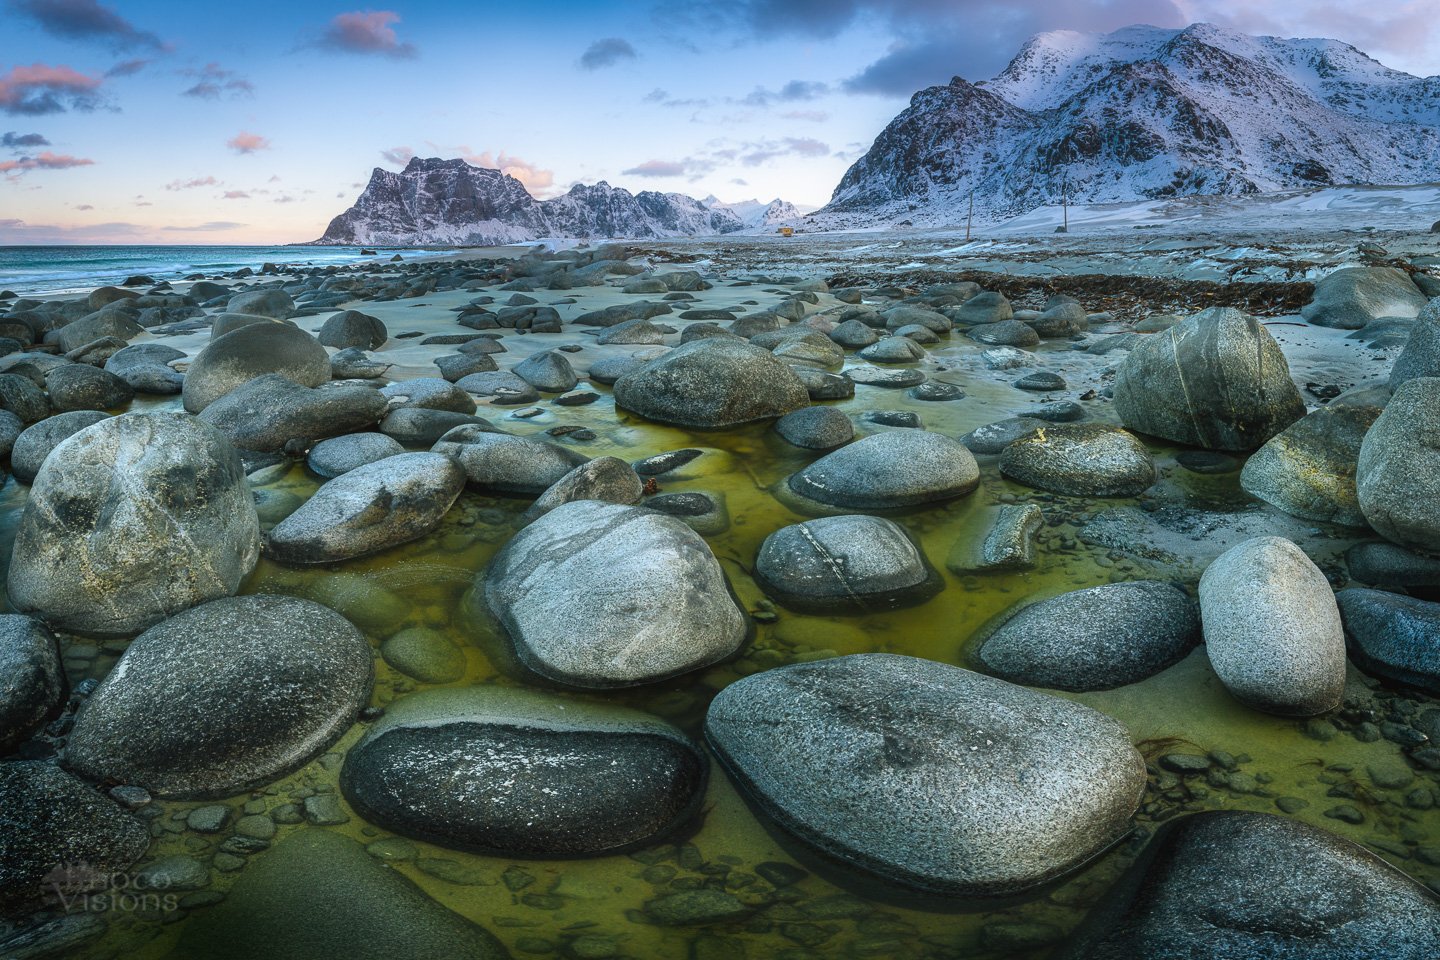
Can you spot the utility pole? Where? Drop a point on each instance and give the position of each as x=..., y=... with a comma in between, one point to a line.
x=971, y=215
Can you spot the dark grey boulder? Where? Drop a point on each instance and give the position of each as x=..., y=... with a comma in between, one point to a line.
x=1217, y=380
x=619, y=313
x=183, y=716
x=1064, y=318
x=905, y=315
x=457, y=366
x=1421, y=356
x=935, y=391
x=20, y=396
x=1009, y=544
x=90, y=328
x=1006, y=333
x=894, y=350
x=1093, y=639
x=351, y=328
x=1397, y=476
x=130, y=520
x=505, y=464
x=49, y=819
x=663, y=463
x=608, y=479
x=368, y=509
x=418, y=427
x=1393, y=636
x=907, y=769
x=431, y=393
x=318, y=894
x=35, y=442
x=816, y=428
x=852, y=334
x=703, y=512
x=654, y=599
x=79, y=386
x=146, y=368
x=983, y=308
x=230, y=322
x=273, y=413
x=330, y=458
x=233, y=360
x=995, y=437
x=844, y=564
x=1351, y=297
x=542, y=775
x=32, y=682
x=896, y=469
x=1232, y=883
x=711, y=383
x=638, y=331
x=1081, y=460
x=824, y=385
x=1272, y=629
x=11, y=426
x=355, y=364
x=501, y=388
x=275, y=304
x=1041, y=381
x=1391, y=567
x=548, y=371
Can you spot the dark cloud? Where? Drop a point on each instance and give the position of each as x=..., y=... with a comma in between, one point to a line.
x=607, y=53
x=128, y=68
x=22, y=141
x=86, y=20
x=795, y=90
x=212, y=81
x=367, y=31
x=756, y=154
x=657, y=168
x=39, y=89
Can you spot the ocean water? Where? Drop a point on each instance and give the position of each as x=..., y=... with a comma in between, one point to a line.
x=55, y=269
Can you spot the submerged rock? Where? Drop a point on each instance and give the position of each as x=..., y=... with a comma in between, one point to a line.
x=650, y=595
x=928, y=776
x=182, y=713
x=1080, y=460
x=894, y=469
x=1393, y=636
x=1009, y=544
x=509, y=465
x=816, y=428
x=1397, y=476
x=846, y=563
x=513, y=772
x=32, y=682
x=712, y=382
x=131, y=520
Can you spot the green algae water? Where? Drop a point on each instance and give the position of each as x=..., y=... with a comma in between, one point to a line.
x=1352, y=781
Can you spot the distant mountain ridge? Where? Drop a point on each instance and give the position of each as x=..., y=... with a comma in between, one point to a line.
x=435, y=201
x=1145, y=113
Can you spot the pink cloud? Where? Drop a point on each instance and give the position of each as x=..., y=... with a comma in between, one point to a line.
x=234, y=195
x=398, y=155
x=245, y=142
x=39, y=89
x=366, y=31
x=536, y=179
x=44, y=161
x=192, y=183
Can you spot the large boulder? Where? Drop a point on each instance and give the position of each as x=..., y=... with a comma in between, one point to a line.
x=547, y=370
x=1272, y=629
x=32, y=682
x=844, y=564
x=505, y=464
x=351, y=328
x=1233, y=884
x=1421, y=356
x=928, y=776
x=1217, y=380
x=339, y=455
x=79, y=386
x=369, y=509
x=1393, y=636
x=48, y=820
x=36, y=441
x=1397, y=477
x=131, y=520
x=901, y=468
x=1081, y=460
x=1351, y=297
x=240, y=356
x=513, y=772
x=1093, y=639
x=609, y=479
x=146, y=368
x=88, y=329
x=273, y=413
x=1308, y=469
x=714, y=382
x=650, y=595
x=275, y=304
x=223, y=698
x=319, y=895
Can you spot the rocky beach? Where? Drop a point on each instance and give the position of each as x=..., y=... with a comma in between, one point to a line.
x=745, y=597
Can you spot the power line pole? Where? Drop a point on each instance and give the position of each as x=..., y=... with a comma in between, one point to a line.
x=971, y=215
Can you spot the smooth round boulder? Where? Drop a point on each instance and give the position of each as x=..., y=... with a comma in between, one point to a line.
x=816, y=428
x=1272, y=629
x=853, y=334
x=1421, y=355
x=608, y=479
x=712, y=383
x=927, y=776
x=983, y=308
x=132, y=520
x=1397, y=476
x=79, y=386
x=1351, y=297
x=1217, y=380
x=418, y=427
x=183, y=716
x=653, y=598
x=240, y=356
x=902, y=468
x=272, y=413
x=1081, y=460
x=1393, y=636
x=32, y=682
x=894, y=350
x=351, y=328
x=508, y=465
x=1006, y=333
x=547, y=371
x=430, y=393
x=852, y=564
x=543, y=776
x=339, y=455
x=1093, y=639
x=35, y=442
x=424, y=654
x=146, y=368
x=275, y=304
x=371, y=508
x=500, y=387
x=20, y=395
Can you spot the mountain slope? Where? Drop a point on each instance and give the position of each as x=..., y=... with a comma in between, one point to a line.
x=1146, y=113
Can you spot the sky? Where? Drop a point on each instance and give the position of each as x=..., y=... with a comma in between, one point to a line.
x=170, y=121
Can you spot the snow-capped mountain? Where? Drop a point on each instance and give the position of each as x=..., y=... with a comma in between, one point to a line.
x=450, y=201
x=1146, y=113
x=756, y=214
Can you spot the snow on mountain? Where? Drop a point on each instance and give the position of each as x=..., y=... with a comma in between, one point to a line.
x=452, y=202
x=755, y=214
x=1146, y=113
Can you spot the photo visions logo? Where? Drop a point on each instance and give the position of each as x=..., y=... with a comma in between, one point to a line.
x=79, y=887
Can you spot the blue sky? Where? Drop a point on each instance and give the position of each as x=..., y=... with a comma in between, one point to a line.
x=166, y=122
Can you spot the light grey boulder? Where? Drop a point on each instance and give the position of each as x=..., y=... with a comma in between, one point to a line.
x=368, y=509
x=653, y=600
x=905, y=315
x=852, y=334
x=338, y=455
x=816, y=428
x=1009, y=543
x=543, y=775
x=146, y=368
x=275, y=304
x=351, y=328
x=183, y=716
x=273, y=413
x=500, y=387
x=983, y=308
x=1397, y=476
x=1217, y=380
x=1351, y=297
x=105, y=323
x=608, y=479
x=1006, y=333
x=894, y=350
x=1081, y=460
x=1393, y=636
x=902, y=468
x=504, y=464
x=548, y=371
x=430, y=393
x=131, y=520
x=36, y=441
x=854, y=564
x=711, y=383
x=1093, y=639
x=417, y=427
x=233, y=360
x=32, y=681
x=637, y=331
x=1421, y=356
x=457, y=366
x=908, y=770
x=1272, y=629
